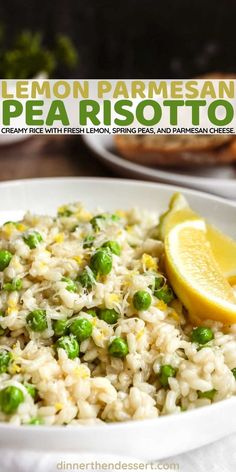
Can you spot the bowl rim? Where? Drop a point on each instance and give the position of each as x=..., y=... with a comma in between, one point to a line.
x=122, y=181
x=171, y=417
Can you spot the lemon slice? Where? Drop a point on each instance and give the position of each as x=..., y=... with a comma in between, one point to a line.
x=196, y=276
x=223, y=247
x=224, y=250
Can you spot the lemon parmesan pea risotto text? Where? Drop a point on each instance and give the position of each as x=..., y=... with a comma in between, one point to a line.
x=90, y=329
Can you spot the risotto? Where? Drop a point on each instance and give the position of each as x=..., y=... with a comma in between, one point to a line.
x=90, y=329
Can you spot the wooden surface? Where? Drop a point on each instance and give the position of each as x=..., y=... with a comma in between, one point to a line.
x=49, y=156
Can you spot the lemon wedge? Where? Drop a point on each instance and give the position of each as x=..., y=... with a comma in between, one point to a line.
x=224, y=250
x=195, y=275
x=223, y=247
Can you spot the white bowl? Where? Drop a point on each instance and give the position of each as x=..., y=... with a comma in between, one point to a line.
x=147, y=439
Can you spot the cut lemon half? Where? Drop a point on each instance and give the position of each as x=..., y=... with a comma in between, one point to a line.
x=195, y=274
x=223, y=247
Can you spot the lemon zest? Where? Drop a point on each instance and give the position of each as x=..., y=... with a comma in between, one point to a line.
x=114, y=297
x=59, y=238
x=140, y=334
x=121, y=213
x=8, y=229
x=78, y=259
x=175, y=315
x=149, y=262
x=58, y=406
x=21, y=227
x=11, y=310
x=15, y=369
x=62, y=208
x=11, y=303
x=16, y=264
x=161, y=305
x=83, y=215
x=81, y=372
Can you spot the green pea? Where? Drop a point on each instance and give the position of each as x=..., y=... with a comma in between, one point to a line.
x=159, y=282
x=110, y=316
x=115, y=217
x=118, y=348
x=234, y=372
x=113, y=246
x=209, y=394
x=81, y=329
x=65, y=212
x=91, y=312
x=33, y=239
x=202, y=335
x=101, y=262
x=37, y=320
x=31, y=389
x=70, y=284
x=13, y=286
x=5, y=259
x=142, y=300
x=10, y=223
x=96, y=221
x=2, y=331
x=74, y=228
x=60, y=327
x=166, y=371
x=36, y=421
x=5, y=358
x=165, y=294
x=69, y=344
x=10, y=399
x=183, y=408
x=86, y=278
x=88, y=241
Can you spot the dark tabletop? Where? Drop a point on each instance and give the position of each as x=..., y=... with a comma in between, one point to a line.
x=49, y=156
x=135, y=38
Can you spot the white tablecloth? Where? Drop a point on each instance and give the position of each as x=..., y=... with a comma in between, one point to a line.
x=217, y=457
